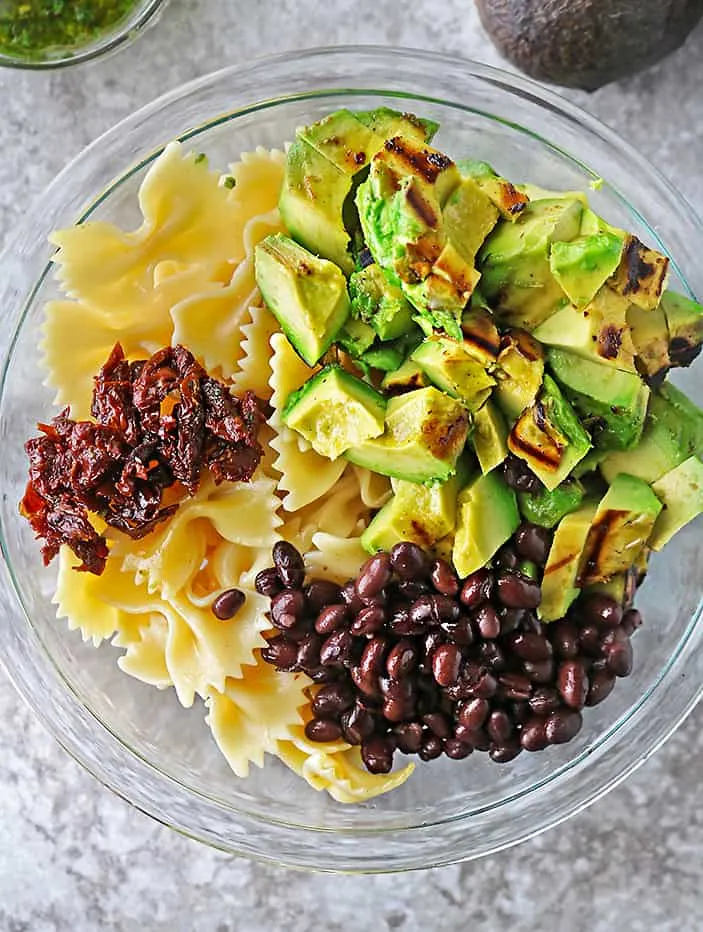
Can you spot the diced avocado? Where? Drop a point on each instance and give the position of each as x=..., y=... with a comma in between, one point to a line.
x=560, y=580
x=592, y=224
x=480, y=335
x=489, y=437
x=684, y=318
x=334, y=410
x=388, y=123
x=536, y=192
x=407, y=378
x=356, y=337
x=469, y=215
x=343, y=140
x=449, y=365
x=612, y=404
x=425, y=431
x=641, y=274
x=681, y=493
x=650, y=337
x=615, y=587
x=419, y=513
x=312, y=204
x=583, y=265
x=621, y=526
x=383, y=356
x=673, y=432
x=487, y=517
x=506, y=197
x=589, y=463
x=519, y=373
x=548, y=508
x=306, y=294
x=379, y=303
x=549, y=437
x=514, y=262
x=598, y=331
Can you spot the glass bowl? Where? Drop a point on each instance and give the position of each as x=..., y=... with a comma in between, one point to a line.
x=139, y=741
x=143, y=13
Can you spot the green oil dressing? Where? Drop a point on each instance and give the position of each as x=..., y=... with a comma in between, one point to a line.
x=34, y=29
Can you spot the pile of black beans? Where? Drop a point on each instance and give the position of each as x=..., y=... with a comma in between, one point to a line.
x=409, y=657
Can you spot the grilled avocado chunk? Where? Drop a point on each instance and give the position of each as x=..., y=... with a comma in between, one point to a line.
x=419, y=513
x=487, y=517
x=684, y=319
x=641, y=274
x=450, y=365
x=560, y=583
x=519, y=373
x=379, y=303
x=681, y=493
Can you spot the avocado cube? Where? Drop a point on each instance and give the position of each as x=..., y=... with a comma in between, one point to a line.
x=560, y=585
x=406, y=378
x=306, y=294
x=548, y=508
x=450, y=365
x=514, y=262
x=681, y=493
x=673, y=432
x=621, y=526
x=343, y=140
x=650, y=337
x=599, y=331
x=388, y=123
x=505, y=196
x=384, y=356
x=480, y=335
x=612, y=404
x=334, y=410
x=641, y=274
x=684, y=319
x=469, y=215
x=312, y=204
x=583, y=265
x=519, y=373
x=549, y=436
x=419, y=513
x=356, y=337
x=489, y=437
x=379, y=303
x=487, y=517
x=425, y=432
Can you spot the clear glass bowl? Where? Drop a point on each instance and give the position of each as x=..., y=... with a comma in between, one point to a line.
x=139, y=741
x=143, y=13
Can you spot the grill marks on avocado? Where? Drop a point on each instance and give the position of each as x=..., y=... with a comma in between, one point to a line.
x=426, y=163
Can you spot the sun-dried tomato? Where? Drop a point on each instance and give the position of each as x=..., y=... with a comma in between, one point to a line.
x=157, y=421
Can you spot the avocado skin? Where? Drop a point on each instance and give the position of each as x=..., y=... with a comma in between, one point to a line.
x=583, y=44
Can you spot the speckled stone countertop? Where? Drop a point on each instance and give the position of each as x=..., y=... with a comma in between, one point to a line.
x=73, y=856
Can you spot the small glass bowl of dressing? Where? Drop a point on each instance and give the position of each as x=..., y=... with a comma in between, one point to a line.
x=41, y=34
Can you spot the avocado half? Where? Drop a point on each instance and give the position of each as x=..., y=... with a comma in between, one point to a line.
x=578, y=43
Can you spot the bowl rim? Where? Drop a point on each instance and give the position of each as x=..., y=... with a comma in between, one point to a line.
x=472, y=71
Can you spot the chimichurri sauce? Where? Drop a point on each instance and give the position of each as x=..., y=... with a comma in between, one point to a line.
x=34, y=29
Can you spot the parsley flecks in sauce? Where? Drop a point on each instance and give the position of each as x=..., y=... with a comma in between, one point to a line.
x=30, y=29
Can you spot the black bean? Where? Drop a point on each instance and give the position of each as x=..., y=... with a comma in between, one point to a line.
x=563, y=725
x=461, y=632
x=506, y=558
x=519, y=711
x=409, y=561
x=404, y=689
x=631, y=621
x=431, y=747
x=539, y=671
x=511, y=619
x=322, y=592
x=377, y=754
x=289, y=564
x=446, y=662
x=309, y=652
x=357, y=724
x=507, y=751
x=514, y=591
x=403, y=625
x=477, y=588
x=464, y=734
x=374, y=576
x=411, y=589
x=430, y=643
x=514, y=686
x=533, y=735
x=618, y=652
x=544, y=700
x=350, y=598
x=572, y=683
x=530, y=646
x=396, y=710
x=323, y=729
x=322, y=674
x=330, y=618
x=480, y=740
x=499, y=726
x=368, y=620
x=367, y=685
x=337, y=649
x=445, y=609
x=483, y=686
x=602, y=683
x=519, y=476
x=444, y=578
x=487, y=622
x=600, y=609
x=372, y=660
x=227, y=604
x=533, y=542
x=433, y=609
x=268, y=582
x=457, y=750
x=532, y=625
x=281, y=652
x=287, y=602
x=408, y=737
x=565, y=638
x=492, y=656
x=332, y=700
x=473, y=713
x=402, y=658
x=438, y=724
x=589, y=639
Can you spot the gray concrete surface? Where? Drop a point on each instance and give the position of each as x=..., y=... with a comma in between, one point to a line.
x=72, y=856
